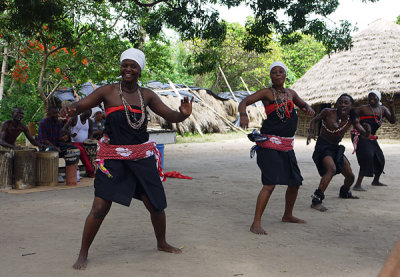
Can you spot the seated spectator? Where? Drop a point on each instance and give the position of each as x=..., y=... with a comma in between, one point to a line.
x=98, y=122
x=52, y=134
x=81, y=129
x=11, y=129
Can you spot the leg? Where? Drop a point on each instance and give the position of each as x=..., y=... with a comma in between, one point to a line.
x=358, y=186
x=96, y=216
x=262, y=201
x=348, y=181
x=330, y=171
x=290, y=197
x=85, y=160
x=159, y=222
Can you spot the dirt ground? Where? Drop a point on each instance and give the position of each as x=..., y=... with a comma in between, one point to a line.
x=209, y=217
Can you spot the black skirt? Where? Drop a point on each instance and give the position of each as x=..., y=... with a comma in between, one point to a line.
x=278, y=167
x=324, y=148
x=131, y=179
x=370, y=157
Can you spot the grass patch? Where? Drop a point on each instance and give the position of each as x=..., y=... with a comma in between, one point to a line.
x=196, y=138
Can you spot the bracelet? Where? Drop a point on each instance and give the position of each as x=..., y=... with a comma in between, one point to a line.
x=243, y=114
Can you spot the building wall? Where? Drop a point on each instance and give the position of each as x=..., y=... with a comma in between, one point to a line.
x=386, y=131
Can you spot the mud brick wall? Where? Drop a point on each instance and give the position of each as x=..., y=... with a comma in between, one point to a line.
x=386, y=131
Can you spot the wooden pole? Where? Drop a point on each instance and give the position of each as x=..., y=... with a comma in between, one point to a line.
x=248, y=91
x=174, y=89
x=230, y=124
x=226, y=81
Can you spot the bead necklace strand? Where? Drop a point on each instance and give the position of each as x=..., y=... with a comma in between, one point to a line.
x=280, y=111
x=379, y=122
x=336, y=130
x=134, y=125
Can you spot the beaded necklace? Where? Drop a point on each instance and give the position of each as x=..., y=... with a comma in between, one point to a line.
x=137, y=124
x=336, y=130
x=280, y=110
x=379, y=122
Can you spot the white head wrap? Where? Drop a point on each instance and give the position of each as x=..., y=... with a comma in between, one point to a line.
x=277, y=63
x=95, y=110
x=378, y=94
x=134, y=55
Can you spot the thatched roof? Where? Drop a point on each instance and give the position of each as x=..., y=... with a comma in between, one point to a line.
x=372, y=63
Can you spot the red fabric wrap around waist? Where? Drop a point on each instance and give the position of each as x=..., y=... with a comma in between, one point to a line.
x=121, y=108
x=272, y=107
x=357, y=138
x=125, y=152
x=277, y=143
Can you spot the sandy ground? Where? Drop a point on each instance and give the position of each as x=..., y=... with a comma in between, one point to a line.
x=209, y=217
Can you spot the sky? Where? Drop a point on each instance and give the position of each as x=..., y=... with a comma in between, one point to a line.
x=354, y=11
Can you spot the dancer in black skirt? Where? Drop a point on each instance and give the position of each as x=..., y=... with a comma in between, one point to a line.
x=275, y=156
x=328, y=154
x=121, y=177
x=369, y=155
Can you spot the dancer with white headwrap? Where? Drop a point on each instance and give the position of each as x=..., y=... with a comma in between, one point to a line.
x=369, y=155
x=275, y=154
x=128, y=161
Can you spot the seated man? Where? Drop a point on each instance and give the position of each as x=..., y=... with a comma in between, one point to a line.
x=11, y=129
x=51, y=133
x=82, y=129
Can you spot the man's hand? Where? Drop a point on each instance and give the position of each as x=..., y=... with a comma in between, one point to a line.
x=310, y=136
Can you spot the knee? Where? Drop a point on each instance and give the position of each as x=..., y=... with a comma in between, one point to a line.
x=267, y=188
x=99, y=211
x=331, y=171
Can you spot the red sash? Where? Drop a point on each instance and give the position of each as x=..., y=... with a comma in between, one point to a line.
x=277, y=143
x=127, y=152
x=357, y=138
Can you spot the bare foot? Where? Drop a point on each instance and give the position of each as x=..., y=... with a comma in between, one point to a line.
x=359, y=188
x=292, y=219
x=80, y=263
x=168, y=248
x=378, y=184
x=319, y=207
x=257, y=229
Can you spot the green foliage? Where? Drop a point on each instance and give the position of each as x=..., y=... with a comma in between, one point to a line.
x=31, y=103
x=251, y=66
x=398, y=20
x=301, y=56
x=164, y=62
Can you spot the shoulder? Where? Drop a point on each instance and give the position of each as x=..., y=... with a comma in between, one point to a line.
x=148, y=94
x=291, y=91
x=107, y=88
x=6, y=123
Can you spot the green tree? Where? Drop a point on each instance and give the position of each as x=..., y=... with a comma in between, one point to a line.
x=301, y=56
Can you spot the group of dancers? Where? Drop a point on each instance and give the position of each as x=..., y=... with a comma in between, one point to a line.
x=276, y=157
x=133, y=172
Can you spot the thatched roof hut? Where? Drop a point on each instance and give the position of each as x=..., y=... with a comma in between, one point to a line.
x=372, y=63
x=210, y=114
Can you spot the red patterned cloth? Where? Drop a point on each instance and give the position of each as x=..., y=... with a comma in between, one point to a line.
x=277, y=143
x=272, y=107
x=357, y=138
x=127, y=152
x=176, y=174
